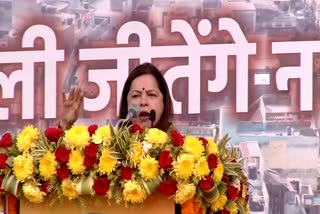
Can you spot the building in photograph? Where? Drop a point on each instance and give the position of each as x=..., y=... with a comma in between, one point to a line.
x=5, y=22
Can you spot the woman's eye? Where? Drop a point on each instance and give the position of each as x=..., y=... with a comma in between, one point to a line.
x=135, y=96
x=152, y=95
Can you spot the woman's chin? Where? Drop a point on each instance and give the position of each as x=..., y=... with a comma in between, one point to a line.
x=145, y=125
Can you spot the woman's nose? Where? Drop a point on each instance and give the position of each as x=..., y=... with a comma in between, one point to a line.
x=144, y=100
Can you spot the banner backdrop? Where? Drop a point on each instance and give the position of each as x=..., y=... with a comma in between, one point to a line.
x=250, y=69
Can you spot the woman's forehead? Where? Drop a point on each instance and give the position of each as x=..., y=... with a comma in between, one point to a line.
x=144, y=82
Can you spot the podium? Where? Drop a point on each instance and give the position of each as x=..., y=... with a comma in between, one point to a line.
x=155, y=203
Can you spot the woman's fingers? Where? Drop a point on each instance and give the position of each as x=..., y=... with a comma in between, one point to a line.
x=71, y=94
x=64, y=97
x=78, y=101
x=77, y=94
x=74, y=95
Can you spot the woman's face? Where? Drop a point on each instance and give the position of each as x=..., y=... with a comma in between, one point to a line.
x=145, y=93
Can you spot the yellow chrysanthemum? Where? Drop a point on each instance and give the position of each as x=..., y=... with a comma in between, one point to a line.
x=247, y=209
x=134, y=192
x=201, y=168
x=32, y=192
x=149, y=168
x=219, y=203
x=185, y=192
x=69, y=189
x=137, y=155
x=232, y=207
x=102, y=135
x=77, y=137
x=156, y=137
x=212, y=147
x=184, y=166
x=27, y=139
x=218, y=173
x=244, y=190
x=23, y=167
x=76, y=162
x=193, y=146
x=107, y=164
x=48, y=165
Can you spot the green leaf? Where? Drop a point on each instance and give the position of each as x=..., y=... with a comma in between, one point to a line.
x=231, y=172
x=241, y=210
x=58, y=144
x=222, y=144
x=116, y=155
x=38, y=154
x=216, y=137
x=9, y=161
x=232, y=165
x=112, y=131
x=13, y=151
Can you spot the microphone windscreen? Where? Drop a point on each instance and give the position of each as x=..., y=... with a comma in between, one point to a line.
x=152, y=115
x=133, y=111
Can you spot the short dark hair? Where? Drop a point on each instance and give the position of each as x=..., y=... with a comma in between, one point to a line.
x=148, y=68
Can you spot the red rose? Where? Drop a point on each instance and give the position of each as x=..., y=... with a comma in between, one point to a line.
x=63, y=172
x=165, y=160
x=225, y=178
x=241, y=189
x=168, y=187
x=126, y=173
x=232, y=192
x=45, y=187
x=53, y=134
x=212, y=161
x=221, y=160
x=204, y=141
x=136, y=128
x=206, y=183
x=91, y=150
x=62, y=154
x=3, y=160
x=89, y=162
x=177, y=138
x=92, y=129
x=234, y=161
x=6, y=140
x=224, y=211
x=247, y=198
x=101, y=185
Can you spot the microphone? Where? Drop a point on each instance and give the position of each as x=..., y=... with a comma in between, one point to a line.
x=152, y=116
x=133, y=111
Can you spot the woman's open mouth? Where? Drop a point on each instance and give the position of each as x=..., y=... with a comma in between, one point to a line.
x=143, y=116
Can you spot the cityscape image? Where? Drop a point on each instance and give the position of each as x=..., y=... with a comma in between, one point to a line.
x=223, y=63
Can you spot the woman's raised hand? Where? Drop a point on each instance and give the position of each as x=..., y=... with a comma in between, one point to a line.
x=70, y=107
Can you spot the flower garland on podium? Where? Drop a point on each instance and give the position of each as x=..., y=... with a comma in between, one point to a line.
x=124, y=165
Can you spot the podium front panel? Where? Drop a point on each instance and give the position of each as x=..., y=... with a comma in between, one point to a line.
x=154, y=204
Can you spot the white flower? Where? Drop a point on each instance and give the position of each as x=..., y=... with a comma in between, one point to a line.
x=236, y=183
x=146, y=146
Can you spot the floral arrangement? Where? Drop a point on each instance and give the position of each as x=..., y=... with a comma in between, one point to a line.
x=124, y=165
